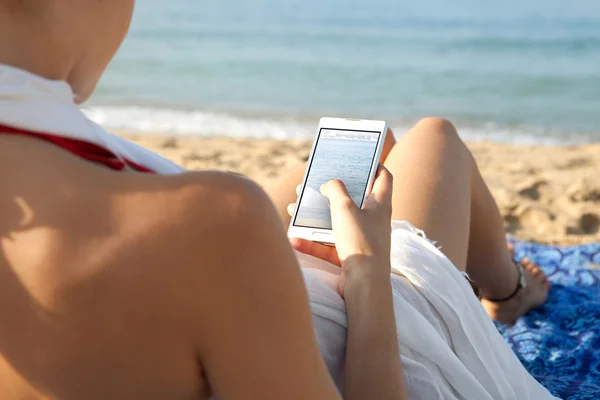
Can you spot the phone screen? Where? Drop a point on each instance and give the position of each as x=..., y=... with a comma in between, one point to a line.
x=346, y=155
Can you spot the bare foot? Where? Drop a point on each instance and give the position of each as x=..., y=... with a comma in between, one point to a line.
x=526, y=299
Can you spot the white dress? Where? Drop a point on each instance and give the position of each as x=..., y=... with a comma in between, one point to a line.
x=449, y=347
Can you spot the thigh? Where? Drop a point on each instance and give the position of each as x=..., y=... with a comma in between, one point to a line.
x=432, y=185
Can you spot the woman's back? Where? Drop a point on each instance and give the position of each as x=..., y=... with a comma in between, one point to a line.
x=121, y=285
x=83, y=294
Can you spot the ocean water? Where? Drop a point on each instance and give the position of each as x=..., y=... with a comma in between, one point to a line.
x=515, y=71
x=335, y=158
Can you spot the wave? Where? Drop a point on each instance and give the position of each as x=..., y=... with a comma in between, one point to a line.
x=174, y=122
x=196, y=123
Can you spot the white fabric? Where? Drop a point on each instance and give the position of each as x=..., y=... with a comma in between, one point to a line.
x=449, y=347
x=30, y=102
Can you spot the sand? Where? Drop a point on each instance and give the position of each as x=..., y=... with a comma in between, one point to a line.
x=546, y=194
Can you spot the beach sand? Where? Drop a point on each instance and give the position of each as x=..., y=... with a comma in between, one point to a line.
x=547, y=194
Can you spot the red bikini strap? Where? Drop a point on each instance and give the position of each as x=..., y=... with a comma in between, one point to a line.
x=83, y=149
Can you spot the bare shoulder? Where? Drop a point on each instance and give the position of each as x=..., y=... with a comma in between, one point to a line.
x=201, y=219
x=137, y=226
x=121, y=270
x=206, y=198
x=136, y=286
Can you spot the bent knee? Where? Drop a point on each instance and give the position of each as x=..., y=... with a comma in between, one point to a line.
x=436, y=126
x=439, y=134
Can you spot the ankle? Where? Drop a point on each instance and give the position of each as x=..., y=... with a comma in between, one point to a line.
x=502, y=287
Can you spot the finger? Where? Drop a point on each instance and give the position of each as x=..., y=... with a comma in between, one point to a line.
x=298, y=190
x=383, y=186
x=318, y=250
x=291, y=208
x=337, y=194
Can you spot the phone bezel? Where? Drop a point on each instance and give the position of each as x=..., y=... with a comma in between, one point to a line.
x=326, y=235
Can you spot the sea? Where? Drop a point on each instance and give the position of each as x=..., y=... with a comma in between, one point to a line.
x=516, y=71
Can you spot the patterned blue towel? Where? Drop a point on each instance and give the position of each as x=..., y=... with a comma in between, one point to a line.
x=559, y=343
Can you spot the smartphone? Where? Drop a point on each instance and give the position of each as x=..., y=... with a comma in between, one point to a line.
x=344, y=149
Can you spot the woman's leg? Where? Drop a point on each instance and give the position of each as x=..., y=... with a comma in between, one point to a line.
x=438, y=188
x=283, y=192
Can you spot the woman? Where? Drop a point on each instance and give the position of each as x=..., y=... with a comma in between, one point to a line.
x=123, y=285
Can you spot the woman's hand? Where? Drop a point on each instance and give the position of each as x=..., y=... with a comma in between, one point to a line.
x=362, y=240
x=362, y=236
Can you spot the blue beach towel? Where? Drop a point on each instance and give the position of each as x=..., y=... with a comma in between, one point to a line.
x=559, y=343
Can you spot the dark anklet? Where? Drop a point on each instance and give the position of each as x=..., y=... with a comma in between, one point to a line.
x=522, y=284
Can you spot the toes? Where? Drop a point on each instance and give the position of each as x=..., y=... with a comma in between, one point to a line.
x=529, y=265
x=511, y=248
x=540, y=276
x=535, y=271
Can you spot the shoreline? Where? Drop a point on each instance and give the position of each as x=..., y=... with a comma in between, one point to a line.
x=178, y=121
x=547, y=194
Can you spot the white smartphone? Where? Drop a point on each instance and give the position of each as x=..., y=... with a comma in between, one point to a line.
x=344, y=149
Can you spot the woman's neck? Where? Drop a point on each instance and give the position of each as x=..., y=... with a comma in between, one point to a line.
x=24, y=43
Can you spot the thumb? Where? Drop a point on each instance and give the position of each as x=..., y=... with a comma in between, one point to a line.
x=337, y=194
x=383, y=186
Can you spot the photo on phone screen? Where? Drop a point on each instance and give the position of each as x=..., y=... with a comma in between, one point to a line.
x=346, y=155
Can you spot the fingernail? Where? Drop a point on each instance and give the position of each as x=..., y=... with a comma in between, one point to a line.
x=291, y=208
